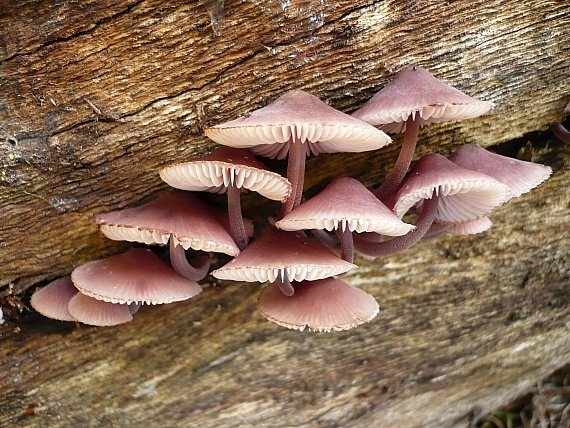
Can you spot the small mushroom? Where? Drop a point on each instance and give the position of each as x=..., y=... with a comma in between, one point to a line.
x=88, y=310
x=560, y=130
x=231, y=169
x=346, y=206
x=445, y=193
x=283, y=257
x=323, y=305
x=412, y=99
x=295, y=125
x=135, y=276
x=51, y=301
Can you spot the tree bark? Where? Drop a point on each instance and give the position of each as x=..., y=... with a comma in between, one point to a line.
x=96, y=98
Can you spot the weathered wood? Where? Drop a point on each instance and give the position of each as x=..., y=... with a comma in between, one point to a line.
x=95, y=99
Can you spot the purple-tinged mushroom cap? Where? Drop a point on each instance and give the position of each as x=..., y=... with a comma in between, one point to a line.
x=519, y=176
x=176, y=213
x=415, y=91
x=464, y=194
x=51, y=301
x=88, y=310
x=324, y=305
x=295, y=125
x=135, y=276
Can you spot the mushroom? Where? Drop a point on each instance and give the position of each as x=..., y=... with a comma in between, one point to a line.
x=346, y=206
x=51, y=301
x=322, y=305
x=412, y=99
x=283, y=257
x=295, y=125
x=560, y=130
x=176, y=216
x=231, y=169
x=135, y=276
x=445, y=192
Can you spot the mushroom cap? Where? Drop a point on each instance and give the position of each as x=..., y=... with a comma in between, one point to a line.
x=135, y=276
x=324, y=305
x=96, y=312
x=464, y=194
x=51, y=301
x=348, y=204
x=413, y=91
x=278, y=254
x=224, y=167
x=471, y=227
x=520, y=176
x=300, y=115
x=192, y=223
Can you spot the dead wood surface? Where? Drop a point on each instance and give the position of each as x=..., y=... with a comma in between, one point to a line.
x=96, y=97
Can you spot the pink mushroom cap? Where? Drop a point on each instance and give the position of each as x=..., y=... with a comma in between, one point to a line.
x=324, y=305
x=51, y=301
x=301, y=116
x=278, y=254
x=464, y=194
x=135, y=276
x=519, y=175
x=414, y=90
x=192, y=224
x=98, y=313
x=224, y=167
x=345, y=204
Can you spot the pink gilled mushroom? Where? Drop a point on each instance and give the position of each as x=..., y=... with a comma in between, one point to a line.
x=446, y=193
x=323, y=305
x=283, y=257
x=60, y=300
x=412, y=99
x=135, y=276
x=176, y=216
x=560, y=130
x=295, y=125
x=231, y=169
x=346, y=206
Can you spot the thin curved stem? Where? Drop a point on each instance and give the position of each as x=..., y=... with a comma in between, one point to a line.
x=295, y=175
x=237, y=227
x=346, y=244
x=401, y=243
x=561, y=132
x=396, y=176
x=285, y=285
x=181, y=265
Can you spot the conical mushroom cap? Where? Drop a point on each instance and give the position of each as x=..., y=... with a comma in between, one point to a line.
x=280, y=254
x=324, y=305
x=464, y=194
x=190, y=221
x=51, y=301
x=135, y=276
x=301, y=116
x=519, y=175
x=224, y=167
x=347, y=204
x=96, y=312
x=413, y=91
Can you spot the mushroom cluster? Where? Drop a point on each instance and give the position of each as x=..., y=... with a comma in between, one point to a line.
x=296, y=253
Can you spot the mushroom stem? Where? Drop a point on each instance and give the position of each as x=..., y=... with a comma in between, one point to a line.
x=295, y=175
x=237, y=227
x=346, y=244
x=285, y=285
x=561, y=132
x=401, y=243
x=183, y=268
x=396, y=176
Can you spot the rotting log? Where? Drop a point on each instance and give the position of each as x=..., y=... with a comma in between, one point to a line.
x=96, y=98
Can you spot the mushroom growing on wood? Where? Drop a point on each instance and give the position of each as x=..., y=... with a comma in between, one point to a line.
x=412, y=99
x=51, y=301
x=283, y=257
x=231, y=169
x=323, y=305
x=176, y=216
x=295, y=125
x=346, y=206
x=560, y=130
x=445, y=192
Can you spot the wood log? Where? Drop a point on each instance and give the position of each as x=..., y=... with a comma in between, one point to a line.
x=95, y=98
